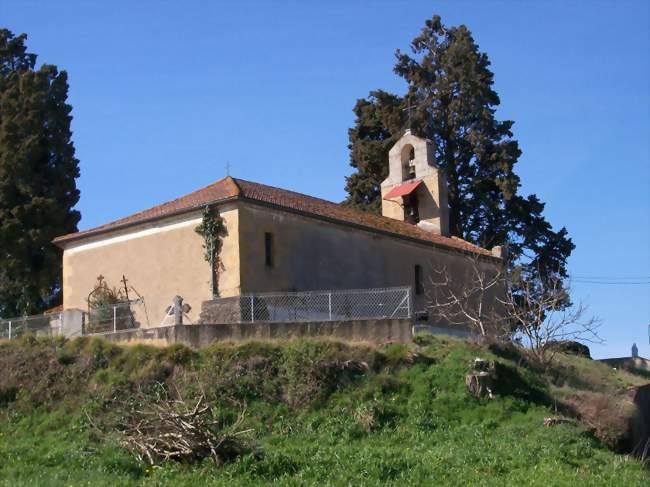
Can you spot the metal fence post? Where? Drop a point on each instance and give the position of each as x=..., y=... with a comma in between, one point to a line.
x=329, y=296
x=60, y=323
x=408, y=302
x=252, y=309
x=9, y=330
x=114, y=319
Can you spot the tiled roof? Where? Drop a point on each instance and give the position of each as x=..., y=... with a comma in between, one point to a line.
x=219, y=191
x=231, y=188
x=56, y=309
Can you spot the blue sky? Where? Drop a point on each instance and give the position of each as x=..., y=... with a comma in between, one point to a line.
x=164, y=93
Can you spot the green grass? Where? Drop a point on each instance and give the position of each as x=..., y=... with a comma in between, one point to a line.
x=397, y=416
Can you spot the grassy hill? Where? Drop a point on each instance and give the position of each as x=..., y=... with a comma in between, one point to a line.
x=320, y=412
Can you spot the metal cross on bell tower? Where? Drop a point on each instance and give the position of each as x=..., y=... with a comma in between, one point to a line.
x=409, y=111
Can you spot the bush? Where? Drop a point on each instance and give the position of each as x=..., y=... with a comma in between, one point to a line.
x=570, y=347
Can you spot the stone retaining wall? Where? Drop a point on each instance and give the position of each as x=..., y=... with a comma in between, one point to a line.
x=373, y=331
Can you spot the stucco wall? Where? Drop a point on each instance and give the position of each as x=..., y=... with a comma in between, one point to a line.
x=159, y=260
x=165, y=258
x=312, y=254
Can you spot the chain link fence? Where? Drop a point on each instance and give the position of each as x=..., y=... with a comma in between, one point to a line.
x=39, y=325
x=109, y=319
x=346, y=305
x=361, y=304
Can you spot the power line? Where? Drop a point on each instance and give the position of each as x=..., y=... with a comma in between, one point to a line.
x=613, y=283
x=611, y=278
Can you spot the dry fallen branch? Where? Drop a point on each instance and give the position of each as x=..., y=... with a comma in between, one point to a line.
x=553, y=421
x=174, y=430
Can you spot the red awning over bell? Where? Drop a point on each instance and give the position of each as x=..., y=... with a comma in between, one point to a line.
x=402, y=190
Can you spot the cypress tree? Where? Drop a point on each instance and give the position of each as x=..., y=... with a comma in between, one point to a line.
x=379, y=124
x=38, y=170
x=450, y=88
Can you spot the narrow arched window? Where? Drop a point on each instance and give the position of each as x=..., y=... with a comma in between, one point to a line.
x=408, y=162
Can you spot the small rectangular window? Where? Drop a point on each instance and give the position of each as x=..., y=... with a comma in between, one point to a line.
x=419, y=286
x=268, y=249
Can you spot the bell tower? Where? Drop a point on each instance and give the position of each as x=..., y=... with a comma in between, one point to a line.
x=415, y=190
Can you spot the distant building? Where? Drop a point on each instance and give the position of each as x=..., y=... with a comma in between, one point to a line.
x=632, y=362
x=278, y=240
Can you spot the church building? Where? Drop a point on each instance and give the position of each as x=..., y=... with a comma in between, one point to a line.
x=277, y=241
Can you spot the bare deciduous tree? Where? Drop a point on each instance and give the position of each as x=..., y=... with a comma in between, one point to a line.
x=519, y=305
x=543, y=315
x=469, y=298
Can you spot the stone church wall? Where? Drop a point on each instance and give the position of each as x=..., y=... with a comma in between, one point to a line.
x=160, y=260
x=313, y=254
x=165, y=258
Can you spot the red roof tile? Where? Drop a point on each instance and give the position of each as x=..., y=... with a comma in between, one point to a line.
x=403, y=189
x=56, y=309
x=219, y=191
x=230, y=188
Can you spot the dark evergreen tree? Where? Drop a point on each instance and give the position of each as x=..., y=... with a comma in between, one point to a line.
x=379, y=123
x=38, y=169
x=454, y=103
